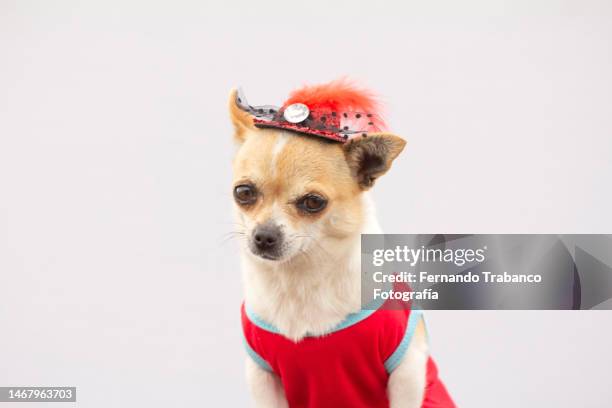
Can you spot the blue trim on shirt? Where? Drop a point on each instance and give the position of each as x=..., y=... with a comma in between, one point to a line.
x=396, y=358
x=258, y=321
x=350, y=320
x=256, y=357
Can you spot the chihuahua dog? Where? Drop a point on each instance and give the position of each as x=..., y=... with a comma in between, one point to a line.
x=302, y=204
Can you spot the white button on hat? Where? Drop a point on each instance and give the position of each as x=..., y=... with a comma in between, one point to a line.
x=296, y=113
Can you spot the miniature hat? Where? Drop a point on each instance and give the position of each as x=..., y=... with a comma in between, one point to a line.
x=335, y=111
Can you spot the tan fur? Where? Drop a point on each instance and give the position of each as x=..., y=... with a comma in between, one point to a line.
x=241, y=120
x=378, y=150
x=305, y=166
x=315, y=284
x=407, y=383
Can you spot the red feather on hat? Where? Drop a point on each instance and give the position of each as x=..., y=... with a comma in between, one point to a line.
x=340, y=96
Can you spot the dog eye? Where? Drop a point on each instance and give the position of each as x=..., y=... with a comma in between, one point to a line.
x=311, y=203
x=245, y=194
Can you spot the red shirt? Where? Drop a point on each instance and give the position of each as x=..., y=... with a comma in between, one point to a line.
x=348, y=367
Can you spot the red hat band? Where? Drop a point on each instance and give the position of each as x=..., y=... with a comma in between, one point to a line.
x=334, y=111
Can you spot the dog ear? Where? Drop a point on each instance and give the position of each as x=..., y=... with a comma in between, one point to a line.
x=241, y=120
x=369, y=157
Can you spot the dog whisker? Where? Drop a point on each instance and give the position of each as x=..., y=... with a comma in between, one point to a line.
x=233, y=235
x=308, y=256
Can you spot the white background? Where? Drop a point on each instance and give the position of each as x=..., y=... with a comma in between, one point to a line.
x=115, y=154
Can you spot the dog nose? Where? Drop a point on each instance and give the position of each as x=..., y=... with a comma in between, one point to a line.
x=267, y=237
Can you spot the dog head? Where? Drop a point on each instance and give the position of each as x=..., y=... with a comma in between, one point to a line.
x=300, y=196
